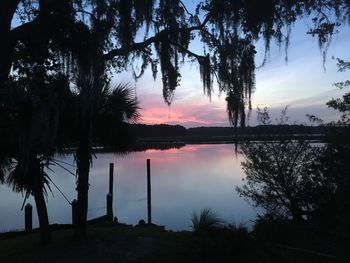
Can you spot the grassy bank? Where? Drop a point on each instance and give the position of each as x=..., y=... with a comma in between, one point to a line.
x=110, y=243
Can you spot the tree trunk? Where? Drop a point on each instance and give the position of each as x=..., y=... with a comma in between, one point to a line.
x=45, y=233
x=83, y=162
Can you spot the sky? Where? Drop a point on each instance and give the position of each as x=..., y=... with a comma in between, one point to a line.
x=302, y=84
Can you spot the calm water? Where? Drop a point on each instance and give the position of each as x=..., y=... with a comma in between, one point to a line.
x=183, y=181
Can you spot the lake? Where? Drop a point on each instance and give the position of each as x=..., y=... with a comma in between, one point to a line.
x=184, y=181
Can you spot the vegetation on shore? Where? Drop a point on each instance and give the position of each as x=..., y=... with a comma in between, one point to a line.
x=114, y=243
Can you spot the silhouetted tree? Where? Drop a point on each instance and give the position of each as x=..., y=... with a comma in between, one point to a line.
x=159, y=130
x=108, y=109
x=118, y=108
x=29, y=117
x=278, y=175
x=30, y=107
x=333, y=166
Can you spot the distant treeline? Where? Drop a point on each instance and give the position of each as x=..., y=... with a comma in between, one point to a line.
x=158, y=130
x=164, y=130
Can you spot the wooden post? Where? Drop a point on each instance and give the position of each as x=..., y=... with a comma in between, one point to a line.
x=109, y=206
x=110, y=193
x=149, y=203
x=74, y=212
x=28, y=217
x=111, y=168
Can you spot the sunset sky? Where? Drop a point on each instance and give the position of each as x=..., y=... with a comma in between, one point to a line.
x=302, y=84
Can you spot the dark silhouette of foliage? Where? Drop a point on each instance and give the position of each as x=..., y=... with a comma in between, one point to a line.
x=29, y=117
x=334, y=164
x=119, y=107
x=228, y=30
x=327, y=189
x=205, y=221
x=258, y=130
x=95, y=99
x=159, y=130
x=30, y=112
x=278, y=174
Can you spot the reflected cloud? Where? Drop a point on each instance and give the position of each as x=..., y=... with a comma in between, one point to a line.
x=183, y=180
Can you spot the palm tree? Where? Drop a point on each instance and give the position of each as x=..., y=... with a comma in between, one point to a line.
x=35, y=182
x=101, y=122
x=96, y=103
x=29, y=117
x=118, y=108
x=92, y=102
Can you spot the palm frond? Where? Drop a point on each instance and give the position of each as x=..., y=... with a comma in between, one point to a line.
x=5, y=164
x=25, y=179
x=206, y=220
x=121, y=103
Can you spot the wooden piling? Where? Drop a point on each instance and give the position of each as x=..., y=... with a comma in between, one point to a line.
x=149, y=203
x=74, y=212
x=28, y=217
x=109, y=199
x=111, y=170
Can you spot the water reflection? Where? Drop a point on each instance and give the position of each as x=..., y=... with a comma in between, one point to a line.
x=183, y=181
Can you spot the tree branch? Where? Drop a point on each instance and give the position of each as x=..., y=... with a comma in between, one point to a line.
x=24, y=30
x=185, y=8
x=123, y=51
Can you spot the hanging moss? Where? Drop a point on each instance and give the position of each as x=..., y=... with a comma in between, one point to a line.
x=206, y=74
x=125, y=30
x=154, y=68
x=227, y=29
x=170, y=73
x=143, y=12
x=145, y=60
x=234, y=62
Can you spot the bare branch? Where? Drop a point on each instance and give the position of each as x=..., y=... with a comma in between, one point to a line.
x=185, y=8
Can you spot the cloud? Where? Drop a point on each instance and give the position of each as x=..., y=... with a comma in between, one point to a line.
x=196, y=110
x=302, y=84
x=191, y=110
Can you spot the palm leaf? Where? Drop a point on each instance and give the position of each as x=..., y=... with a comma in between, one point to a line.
x=121, y=103
x=206, y=220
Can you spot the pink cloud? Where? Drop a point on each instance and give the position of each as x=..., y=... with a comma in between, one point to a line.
x=189, y=112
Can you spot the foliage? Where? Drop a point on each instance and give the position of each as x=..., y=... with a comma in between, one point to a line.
x=118, y=109
x=29, y=117
x=334, y=164
x=205, y=220
x=278, y=174
x=343, y=106
x=167, y=246
x=160, y=33
x=338, y=147
x=319, y=187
